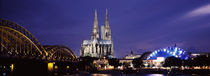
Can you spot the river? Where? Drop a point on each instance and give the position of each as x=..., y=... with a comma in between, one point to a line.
x=129, y=75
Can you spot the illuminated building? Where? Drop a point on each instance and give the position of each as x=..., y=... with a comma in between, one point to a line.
x=157, y=58
x=132, y=56
x=194, y=55
x=101, y=63
x=128, y=59
x=101, y=44
x=168, y=52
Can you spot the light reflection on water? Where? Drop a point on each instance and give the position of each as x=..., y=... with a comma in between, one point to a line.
x=128, y=75
x=155, y=75
x=119, y=75
x=101, y=75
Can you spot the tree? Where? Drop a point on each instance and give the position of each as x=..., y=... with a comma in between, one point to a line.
x=114, y=62
x=137, y=62
x=189, y=62
x=86, y=61
x=202, y=60
x=172, y=61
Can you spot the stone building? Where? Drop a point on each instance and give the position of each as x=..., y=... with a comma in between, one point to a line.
x=101, y=44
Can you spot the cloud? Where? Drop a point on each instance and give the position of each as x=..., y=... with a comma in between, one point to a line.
x=203, y=10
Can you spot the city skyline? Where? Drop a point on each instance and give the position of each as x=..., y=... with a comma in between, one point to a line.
x=147, y=25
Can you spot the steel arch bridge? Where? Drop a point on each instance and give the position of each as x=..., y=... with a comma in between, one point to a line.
x=60, y=53
x=16, y=41
x=168, y=52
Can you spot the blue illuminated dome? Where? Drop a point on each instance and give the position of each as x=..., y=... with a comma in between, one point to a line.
x=168, y=52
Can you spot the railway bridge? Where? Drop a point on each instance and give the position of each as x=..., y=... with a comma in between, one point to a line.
x=21, y=52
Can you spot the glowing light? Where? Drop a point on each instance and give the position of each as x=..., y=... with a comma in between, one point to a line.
x=170, y=52
x=101, y=75
x=180, y=52
x=148, y=58
x=175, y=49
x=186, y=58
x=151, y=55
x=155, y=75
x=50, y=66
x=56, y=67
x=160, y=59
x=110, y=67
x=67, y=67
x=174, y=53
x=12, y=67
x=167, y=52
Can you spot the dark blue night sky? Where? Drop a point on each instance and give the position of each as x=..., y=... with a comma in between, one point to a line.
x=138, y=25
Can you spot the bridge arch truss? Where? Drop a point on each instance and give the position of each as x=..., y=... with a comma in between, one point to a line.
x=60, y=53
x=16, y=41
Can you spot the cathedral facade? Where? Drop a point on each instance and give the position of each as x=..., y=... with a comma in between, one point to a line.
x=101, y=44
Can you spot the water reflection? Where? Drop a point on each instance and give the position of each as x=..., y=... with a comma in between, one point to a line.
x=155, y=75
x=101, y=75
x=128, y=75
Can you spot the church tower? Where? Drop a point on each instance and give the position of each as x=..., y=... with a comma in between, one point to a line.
x=95, y=31
x=99, y=46
x=107, y=30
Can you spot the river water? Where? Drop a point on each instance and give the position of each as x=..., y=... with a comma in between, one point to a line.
x=127, y=75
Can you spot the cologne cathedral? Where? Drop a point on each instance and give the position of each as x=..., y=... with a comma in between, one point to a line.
x=101, y=44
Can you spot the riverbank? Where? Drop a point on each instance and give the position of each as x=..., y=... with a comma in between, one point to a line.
x=158, y=71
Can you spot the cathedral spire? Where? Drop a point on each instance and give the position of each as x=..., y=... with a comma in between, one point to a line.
x=98, y=46
x=107, y=28
x=95, y=19
x=95, y=30
x=107, y=19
